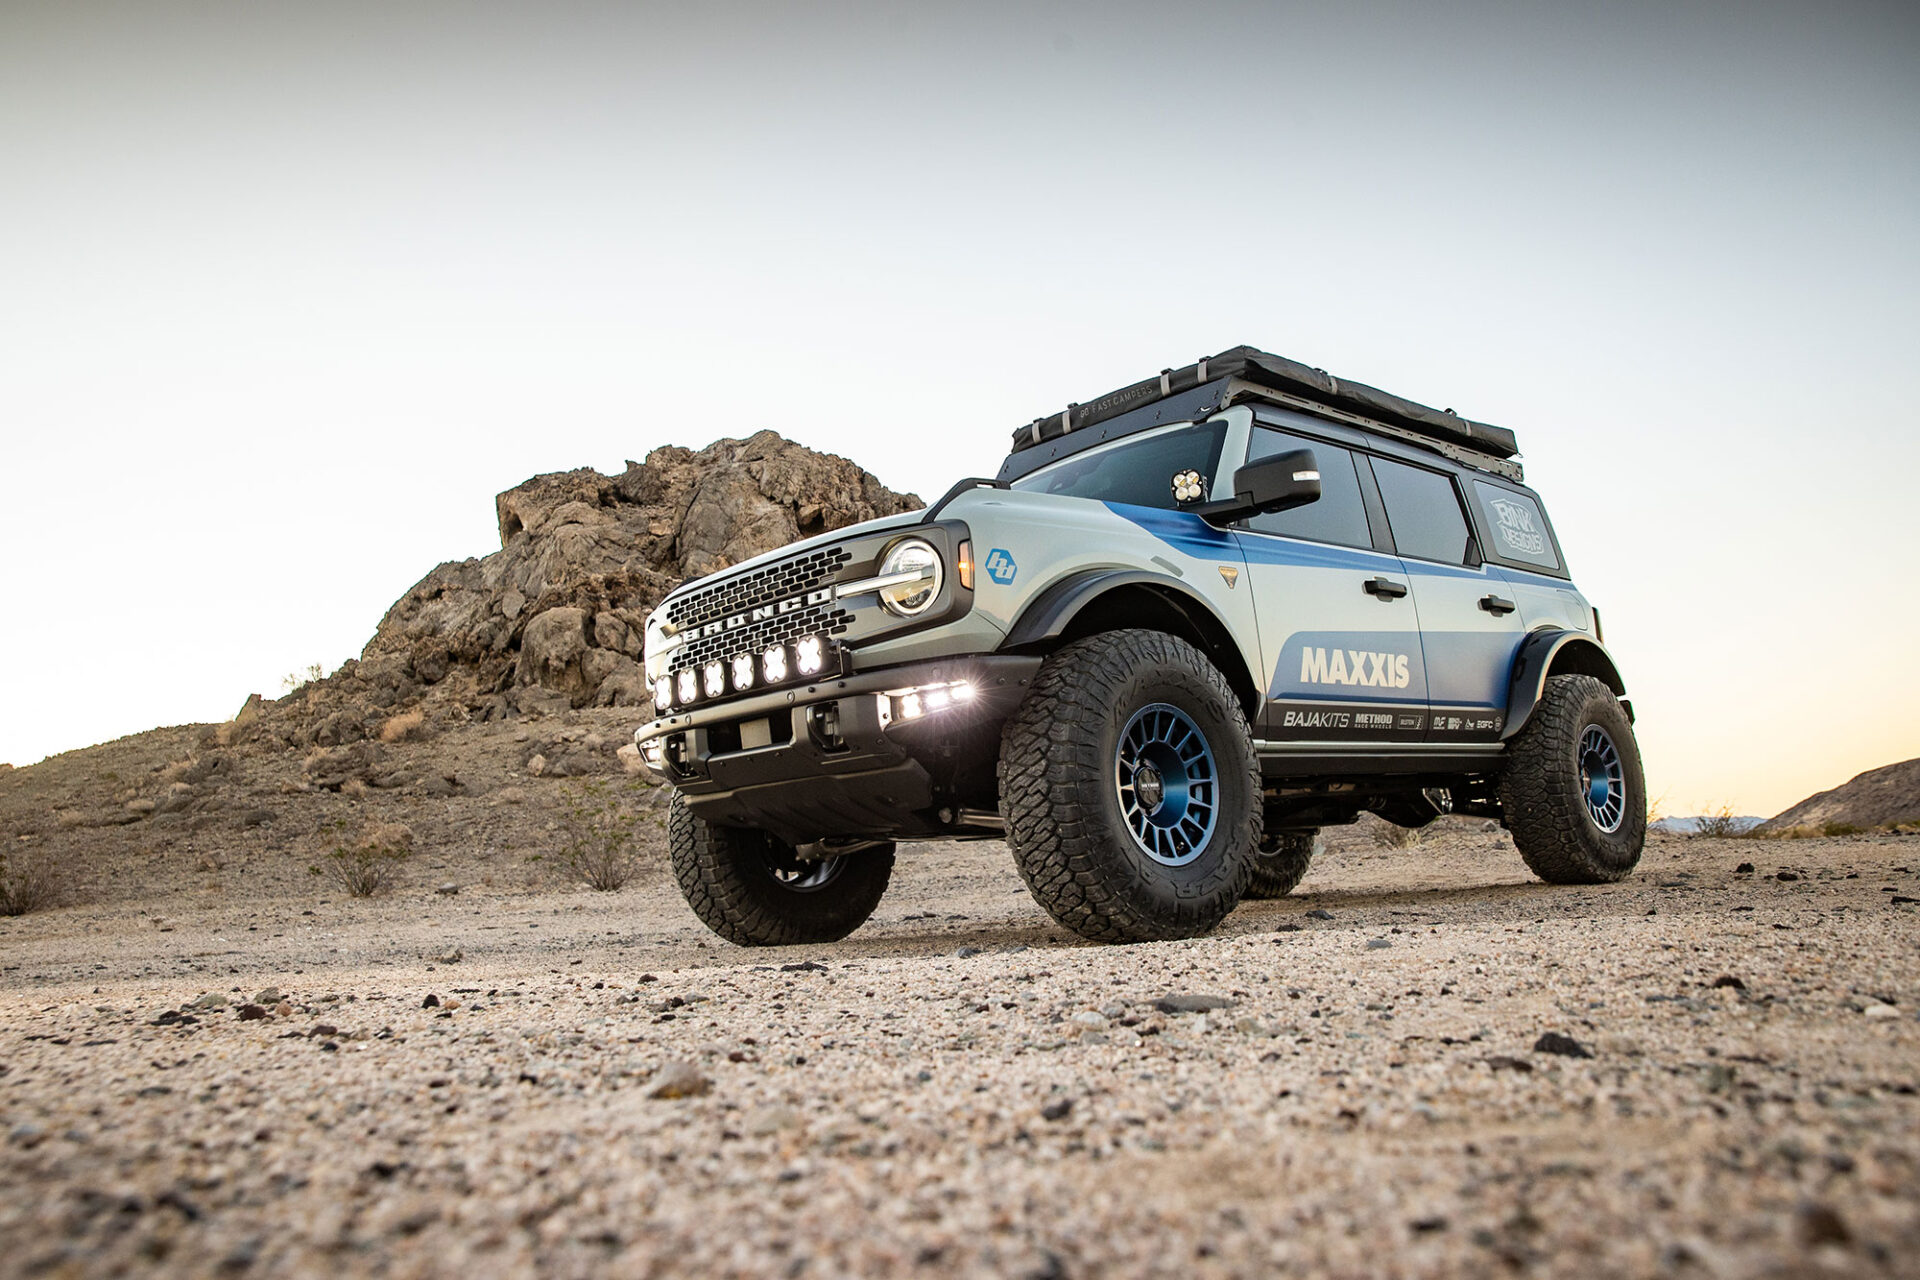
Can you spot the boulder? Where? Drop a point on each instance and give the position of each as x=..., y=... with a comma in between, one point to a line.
x=553, y=654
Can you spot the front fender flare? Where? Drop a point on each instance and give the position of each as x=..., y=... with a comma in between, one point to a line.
x=1550, y=652
x=1048, y=614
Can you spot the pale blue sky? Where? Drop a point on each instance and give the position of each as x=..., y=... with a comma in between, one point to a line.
x=288, y=292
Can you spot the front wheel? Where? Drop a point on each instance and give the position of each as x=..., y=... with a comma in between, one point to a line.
x=1573, y=793
x=1130, y=789
x=751, y=887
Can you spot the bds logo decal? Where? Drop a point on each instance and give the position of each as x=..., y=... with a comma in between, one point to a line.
x=1000, y=566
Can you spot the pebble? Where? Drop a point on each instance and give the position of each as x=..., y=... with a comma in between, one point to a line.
x=449, y=957
x=268, y=996
x=679, y=1079
x=211, y=1000
x=1377, y=944
x=1880, y=1011
x=1565, y=1046
x=1059, y=1109
x=1191, y=1004
x=252, y=1012
x=1319, y=913
x=766, y=1120
x=448, y=889
x=1816, y=1224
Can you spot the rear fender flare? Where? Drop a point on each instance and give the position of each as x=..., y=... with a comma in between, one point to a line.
x=1557, y=653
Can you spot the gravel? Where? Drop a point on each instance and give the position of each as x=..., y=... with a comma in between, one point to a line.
x=602, y=1087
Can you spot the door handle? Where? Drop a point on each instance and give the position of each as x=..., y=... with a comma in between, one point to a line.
x=1495, y=605
x=1385, y=588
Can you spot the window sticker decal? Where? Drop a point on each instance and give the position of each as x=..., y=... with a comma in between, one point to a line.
x=1514, y=524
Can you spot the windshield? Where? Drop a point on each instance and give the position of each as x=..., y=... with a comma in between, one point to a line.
x=1139, y=471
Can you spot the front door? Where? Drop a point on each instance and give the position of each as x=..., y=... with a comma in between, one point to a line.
x=1338, y=627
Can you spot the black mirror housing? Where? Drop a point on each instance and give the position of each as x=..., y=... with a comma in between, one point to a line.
x=1279, y=483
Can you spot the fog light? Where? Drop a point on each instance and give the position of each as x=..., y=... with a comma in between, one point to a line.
x=806, y=655
x=774, y=663
x=653, y=753
x=922, y=700
x=716, y=679
x=689, y=686
x=743, y=671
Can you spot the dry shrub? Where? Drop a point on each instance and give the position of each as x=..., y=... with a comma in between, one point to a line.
x=403, y=727
x=1718, y=824
x=372, y=862
x=1841, y=829
x=27, y=881
x=596, y=832
x=1391, y=835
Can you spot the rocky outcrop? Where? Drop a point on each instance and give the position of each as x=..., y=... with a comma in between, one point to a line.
x=1878, y=797
x=556, y=617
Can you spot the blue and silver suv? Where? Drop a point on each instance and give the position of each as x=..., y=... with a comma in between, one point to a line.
x=1185, y=627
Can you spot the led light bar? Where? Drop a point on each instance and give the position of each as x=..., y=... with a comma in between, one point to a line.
x=807, y=656
x=922, y=700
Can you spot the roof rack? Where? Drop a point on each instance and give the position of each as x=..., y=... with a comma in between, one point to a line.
x=1255, y=374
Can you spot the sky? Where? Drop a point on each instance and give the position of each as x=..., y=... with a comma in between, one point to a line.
x=288, y=292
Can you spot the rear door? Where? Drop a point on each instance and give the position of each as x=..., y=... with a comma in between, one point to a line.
x=1338, y=630
x=1470, y=625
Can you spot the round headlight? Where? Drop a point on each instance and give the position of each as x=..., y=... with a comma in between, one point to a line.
x=918, y=565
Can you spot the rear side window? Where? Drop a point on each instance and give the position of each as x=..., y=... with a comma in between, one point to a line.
x=1519, y=530
x=1137, y=472
x=1339, y=516
x=1423, y=511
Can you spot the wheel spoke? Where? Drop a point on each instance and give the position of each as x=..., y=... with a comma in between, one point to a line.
x=1166, y=782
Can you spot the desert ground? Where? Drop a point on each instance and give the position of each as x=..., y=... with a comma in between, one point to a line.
x=221, y=1065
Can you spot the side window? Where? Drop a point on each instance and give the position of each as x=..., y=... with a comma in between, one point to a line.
x=1519, y=530
x=1424, y=512
x=1137, y=472
x=1339, y=516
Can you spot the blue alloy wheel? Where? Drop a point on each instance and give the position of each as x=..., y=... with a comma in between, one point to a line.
x=1168, y=785
x=1602, y=779
x=803, y=876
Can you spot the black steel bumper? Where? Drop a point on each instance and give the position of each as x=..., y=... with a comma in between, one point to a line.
x=822, y=761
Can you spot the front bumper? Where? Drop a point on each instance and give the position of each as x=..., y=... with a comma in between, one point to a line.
x=827, y=760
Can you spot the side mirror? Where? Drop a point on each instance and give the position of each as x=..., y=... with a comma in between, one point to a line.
x=1279, y=483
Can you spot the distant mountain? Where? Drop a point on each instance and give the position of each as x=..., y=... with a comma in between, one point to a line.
x=1689, y=826
x=1875, y=798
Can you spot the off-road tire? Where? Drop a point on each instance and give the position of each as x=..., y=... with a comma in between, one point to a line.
x=1281, y=863
x=1063, y=815
x=1541, y=793
x=726, y=875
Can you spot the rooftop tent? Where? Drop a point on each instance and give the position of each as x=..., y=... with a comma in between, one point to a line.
x=1279, y=374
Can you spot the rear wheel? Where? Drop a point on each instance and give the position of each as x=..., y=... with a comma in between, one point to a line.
x=1281, y=863
x=752, y=888
x=1130, y=789
x=1573, y=793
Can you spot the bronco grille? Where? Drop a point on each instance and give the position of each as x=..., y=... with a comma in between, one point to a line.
x=783, y=581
